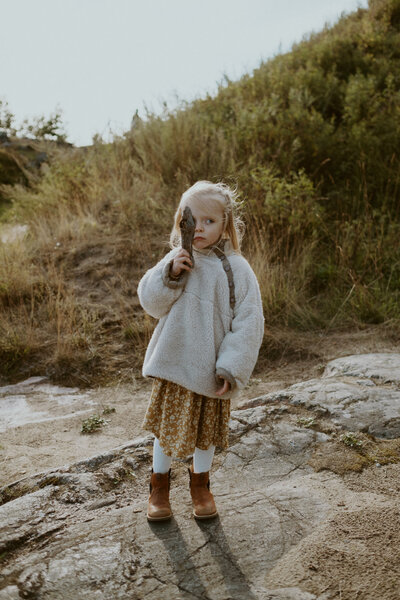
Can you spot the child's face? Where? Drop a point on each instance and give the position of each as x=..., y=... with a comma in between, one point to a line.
x=209, y=220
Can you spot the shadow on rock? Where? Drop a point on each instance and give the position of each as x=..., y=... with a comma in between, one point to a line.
x=188, y=579
x=220, y=550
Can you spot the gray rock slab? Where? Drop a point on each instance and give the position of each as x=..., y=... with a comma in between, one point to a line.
x=353, y=406
x=382, y=366
x=353, y=392
x=24, y=519
x=118, y=555
x=73, y=538
x=11, y=592
x=23, y=403
x=78, y=473
x=92, y=569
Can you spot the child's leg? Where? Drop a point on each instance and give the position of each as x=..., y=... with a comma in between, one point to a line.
x=161, y=462
x=203, y=500
x=202, y=459
x=159, y=508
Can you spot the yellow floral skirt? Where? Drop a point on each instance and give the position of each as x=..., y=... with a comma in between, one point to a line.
x=183, y=420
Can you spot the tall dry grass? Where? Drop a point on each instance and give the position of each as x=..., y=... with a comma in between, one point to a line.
x=67, y=290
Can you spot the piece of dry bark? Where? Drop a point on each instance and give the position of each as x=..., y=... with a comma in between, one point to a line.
x=187, y=227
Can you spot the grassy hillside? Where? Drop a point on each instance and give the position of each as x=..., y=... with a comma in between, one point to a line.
x=311, y=139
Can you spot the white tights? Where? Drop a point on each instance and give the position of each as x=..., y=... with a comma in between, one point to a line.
x=202, y=459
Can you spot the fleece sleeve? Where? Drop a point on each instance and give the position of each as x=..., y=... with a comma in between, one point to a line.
x=157, y=290
x=238, y=352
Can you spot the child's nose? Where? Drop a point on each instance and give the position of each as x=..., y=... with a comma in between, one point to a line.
x=199, y=226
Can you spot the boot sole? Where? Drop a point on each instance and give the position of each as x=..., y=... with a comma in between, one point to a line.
x=203, y=517
x=159, y=518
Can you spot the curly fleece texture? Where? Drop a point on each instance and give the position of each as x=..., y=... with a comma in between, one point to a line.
x=199, y=337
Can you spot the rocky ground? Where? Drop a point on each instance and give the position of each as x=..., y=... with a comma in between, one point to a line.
x=307, y=496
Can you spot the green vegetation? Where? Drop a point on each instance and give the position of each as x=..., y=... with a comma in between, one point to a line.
x=353, y=452
x=92, y=424
x=351, y=439
x=25, y=148
x=38, y=128
x=307, y=422
x=311, y=139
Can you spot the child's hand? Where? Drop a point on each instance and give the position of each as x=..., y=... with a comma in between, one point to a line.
x=181, y=263
x=225, y=388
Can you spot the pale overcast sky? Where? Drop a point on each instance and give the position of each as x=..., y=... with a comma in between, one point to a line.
x=100, y=60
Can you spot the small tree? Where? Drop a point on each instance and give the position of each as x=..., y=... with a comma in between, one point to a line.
x=6, y=118
x=42, y=128
x=38, y=128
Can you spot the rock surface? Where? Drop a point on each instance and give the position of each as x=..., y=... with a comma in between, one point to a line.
x=287, y=530
x=23, y=402
x=41, y=423
x=384, y=367
x=349, y=396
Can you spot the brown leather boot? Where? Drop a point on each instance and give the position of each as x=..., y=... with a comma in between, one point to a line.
x=203, y=500
x=159, y=508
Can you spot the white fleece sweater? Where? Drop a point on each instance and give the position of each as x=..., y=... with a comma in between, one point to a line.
x=199, y=337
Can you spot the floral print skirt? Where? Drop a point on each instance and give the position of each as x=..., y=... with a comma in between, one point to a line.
x=183, y=420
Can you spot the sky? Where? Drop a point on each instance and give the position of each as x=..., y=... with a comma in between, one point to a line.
x=101, y=60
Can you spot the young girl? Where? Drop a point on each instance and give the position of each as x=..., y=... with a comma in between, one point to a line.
x=204, y=347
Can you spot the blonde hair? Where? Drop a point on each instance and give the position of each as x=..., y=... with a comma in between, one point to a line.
x=226, y=197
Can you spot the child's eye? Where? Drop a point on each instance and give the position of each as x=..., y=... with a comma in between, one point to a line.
x=209, y=221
